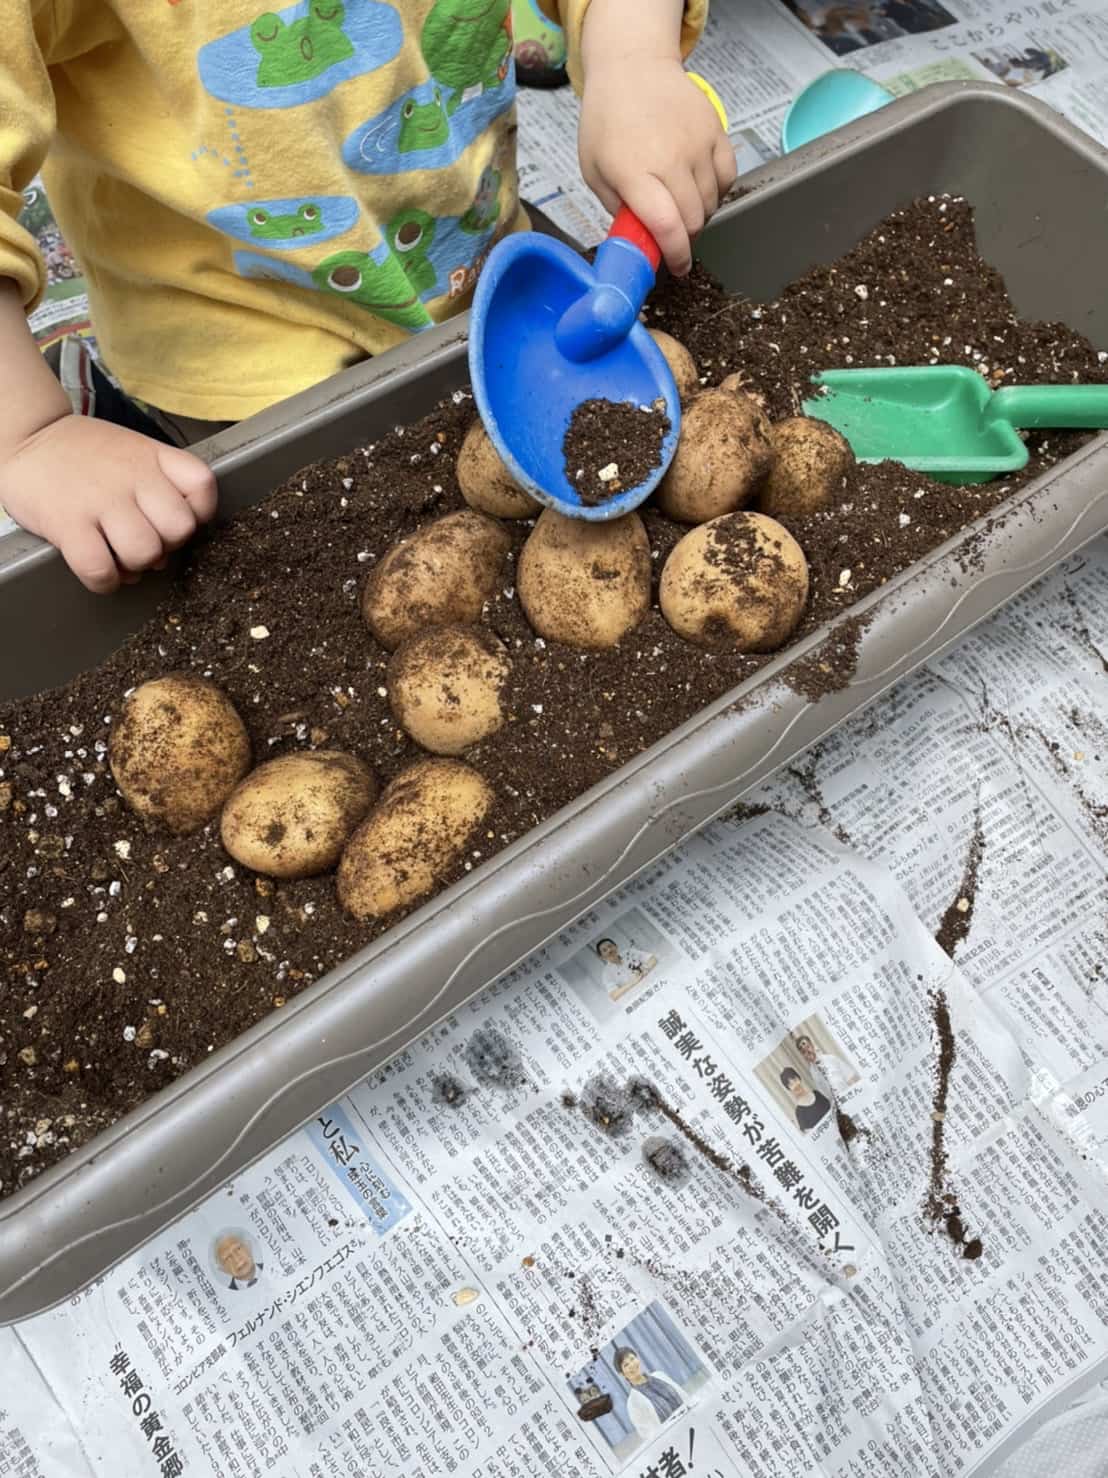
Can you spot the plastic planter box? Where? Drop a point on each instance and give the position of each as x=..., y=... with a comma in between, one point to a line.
x=1049, y=238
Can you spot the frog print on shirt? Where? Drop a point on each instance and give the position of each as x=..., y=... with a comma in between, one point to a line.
x=419, y=131
x=466, y=44
x=300, y=50
x=375, y=281
x=307, y=221
x=410, y=234
x=285, y=58
x=382, y=286
x=423, y=125
x=421, y=258
x=287, y=223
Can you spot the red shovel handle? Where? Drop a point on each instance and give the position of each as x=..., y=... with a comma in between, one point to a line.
x=628, y=227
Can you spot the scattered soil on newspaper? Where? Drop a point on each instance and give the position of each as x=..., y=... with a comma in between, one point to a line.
x=956, y=921
x=612, y=1107
x=127, y=956
x=613, y=446
x=849, y=1129
x=942, y=1203
x=805, y=776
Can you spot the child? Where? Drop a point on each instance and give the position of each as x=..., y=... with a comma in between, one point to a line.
x=258, y=199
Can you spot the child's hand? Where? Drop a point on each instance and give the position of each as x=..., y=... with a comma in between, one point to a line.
x=650, y=139
x=112, y=501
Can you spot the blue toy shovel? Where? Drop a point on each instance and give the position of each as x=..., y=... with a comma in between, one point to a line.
x=549, y=331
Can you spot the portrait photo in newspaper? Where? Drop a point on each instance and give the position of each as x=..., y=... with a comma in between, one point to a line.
x=233, y=1259
x=807, y=1074
x=609, y=972
x=643, y=1379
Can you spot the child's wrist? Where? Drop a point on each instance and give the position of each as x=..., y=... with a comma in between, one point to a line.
x=32, y=397
x=609, y=24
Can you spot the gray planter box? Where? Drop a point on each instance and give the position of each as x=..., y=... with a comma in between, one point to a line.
x=1040, y=190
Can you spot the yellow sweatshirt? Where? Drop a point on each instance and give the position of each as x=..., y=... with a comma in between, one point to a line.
x=259, y=198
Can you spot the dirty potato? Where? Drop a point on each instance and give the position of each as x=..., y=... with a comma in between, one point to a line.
x=441, y=576
x=292, y=816
x=722, y=457
x=810, y=461
x=486, y=483
x=446, y=687
x=178, y=751
x=681, y=363
x=585, y=584
x=413, y=839
x=737, y=584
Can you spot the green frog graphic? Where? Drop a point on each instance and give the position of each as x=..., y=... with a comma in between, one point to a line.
x=467, y=44
x=410, y=234
x=306, y=221
x=305, y=48
x=383, y=288
x=423, y=125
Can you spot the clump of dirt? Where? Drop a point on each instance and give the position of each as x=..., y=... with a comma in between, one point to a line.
x=605, y=1103
x=613, y=446
x=667, y=1160
x=493, y=1060
x=849, y=1129
x=449, y=1090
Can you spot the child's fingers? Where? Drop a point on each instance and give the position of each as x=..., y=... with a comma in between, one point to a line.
x=726, y=167
x=599, y=186
x=661, y=214
x=168, y=511
x=193, y=478
x=87, y=554
x=704, y=174
x=133, y=539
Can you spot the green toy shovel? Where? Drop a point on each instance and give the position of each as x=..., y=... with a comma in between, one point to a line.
x=944, y=420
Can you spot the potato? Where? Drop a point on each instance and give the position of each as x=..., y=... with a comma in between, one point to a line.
x=737, y=584
x=722, y=456
x=585, y=584
x=738, y=383
x=178, y=751
x=446, y=687
x=441, y=576
x=681, y=363
x=292, y=816
x=810, y=460
x=413, y=839
x=486, y=483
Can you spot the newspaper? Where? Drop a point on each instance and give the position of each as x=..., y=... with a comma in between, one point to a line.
x=759, y=54
x=655, y=1203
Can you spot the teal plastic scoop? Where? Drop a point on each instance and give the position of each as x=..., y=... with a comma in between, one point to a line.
x=944, y=420
x=836, y=98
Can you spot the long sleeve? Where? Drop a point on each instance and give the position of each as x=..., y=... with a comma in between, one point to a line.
x=570, y=14
x=26, y=128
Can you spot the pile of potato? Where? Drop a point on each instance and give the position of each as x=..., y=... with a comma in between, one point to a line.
x=737, y=581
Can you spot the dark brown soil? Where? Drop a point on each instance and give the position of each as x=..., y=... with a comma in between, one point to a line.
x=942, y=1206
x=613, y=446
x=127, y=955
x=849, y=1129
x=956, y=920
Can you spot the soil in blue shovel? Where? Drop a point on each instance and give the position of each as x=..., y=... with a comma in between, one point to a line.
x=613, y=446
